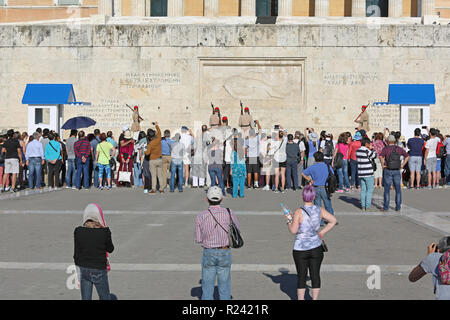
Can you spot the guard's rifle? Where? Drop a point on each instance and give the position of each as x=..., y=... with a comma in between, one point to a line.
x=140, y=118
x=367, y=106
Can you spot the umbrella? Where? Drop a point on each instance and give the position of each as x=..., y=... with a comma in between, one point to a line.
x=78, y=122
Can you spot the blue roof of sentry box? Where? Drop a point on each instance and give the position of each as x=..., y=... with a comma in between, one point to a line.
x=39, y=93
x=412, y=94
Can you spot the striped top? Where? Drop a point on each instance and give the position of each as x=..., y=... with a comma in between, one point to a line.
x=82, y=148
x=364, y=157
x=208, y=233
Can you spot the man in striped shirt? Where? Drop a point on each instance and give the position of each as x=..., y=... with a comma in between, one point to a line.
x=211, y=231
x=83, y=150
x=365, y=156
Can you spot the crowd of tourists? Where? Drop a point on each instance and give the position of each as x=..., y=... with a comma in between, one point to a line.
x=234, y=159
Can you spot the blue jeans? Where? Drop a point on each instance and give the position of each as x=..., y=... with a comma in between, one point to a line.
x=94, y=277
x=321, y=195
x=137, y=181
x=216, y=263
x=217, y=172
x=291, y=174
x=238, y=182
x=82, y=168
x=392, y=177
x=354, y=168
x=343, y=175
x=176, y=166
x=71, y=173
x=367, y=186
x=95, y=175
x=447, y=170
x=34, y=170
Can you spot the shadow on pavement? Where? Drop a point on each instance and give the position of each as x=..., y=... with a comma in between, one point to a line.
x=196, y=292
x=357, y=202
x=354, y=201
x=288, y=284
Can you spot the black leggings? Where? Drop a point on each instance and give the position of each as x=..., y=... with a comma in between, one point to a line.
x=310, y=259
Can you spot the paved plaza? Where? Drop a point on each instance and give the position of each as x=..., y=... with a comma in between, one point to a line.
x=155, y=255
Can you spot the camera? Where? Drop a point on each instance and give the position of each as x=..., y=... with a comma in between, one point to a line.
x=277, y=126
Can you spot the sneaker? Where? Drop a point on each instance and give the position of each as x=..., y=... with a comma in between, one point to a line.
x=256, y=185
x=100, y=187
x=276, y=191
x=145, y=191
x=429, y=187
x=363, y=209
x=180, y=190
x=15, y=190
x=108, y=188
x=67, y=187
x=266, y=188
x=283, y=191
x=7, y=189
x=340, y=191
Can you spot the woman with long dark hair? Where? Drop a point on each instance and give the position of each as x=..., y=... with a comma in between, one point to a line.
x=125, y=157
x=342, y=172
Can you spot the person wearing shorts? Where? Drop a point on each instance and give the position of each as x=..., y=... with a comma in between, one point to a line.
x=415, y=146
x=13, y=159
x=103, y=154
x=430, y=159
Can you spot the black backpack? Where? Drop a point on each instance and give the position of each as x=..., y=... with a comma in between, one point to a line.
x=328, y=149
x=331, y=181
x=394, y=162
x=338, y=160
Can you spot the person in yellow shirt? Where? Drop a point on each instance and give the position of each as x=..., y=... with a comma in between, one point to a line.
x=103, y=154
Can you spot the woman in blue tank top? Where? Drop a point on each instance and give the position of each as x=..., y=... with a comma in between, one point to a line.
x=308, y=252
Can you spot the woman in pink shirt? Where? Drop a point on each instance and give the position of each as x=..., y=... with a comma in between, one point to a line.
x=342, y=147
x=355, y=145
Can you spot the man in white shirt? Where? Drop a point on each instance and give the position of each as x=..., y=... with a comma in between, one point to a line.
x=430, y=159
x=251, y=152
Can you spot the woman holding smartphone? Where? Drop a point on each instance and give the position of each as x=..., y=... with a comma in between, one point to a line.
x=308, y=248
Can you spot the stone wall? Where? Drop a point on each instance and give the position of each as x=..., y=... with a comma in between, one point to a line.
x=294, y=75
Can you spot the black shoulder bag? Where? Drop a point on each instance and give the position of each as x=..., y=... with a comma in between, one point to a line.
x=234, y=235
